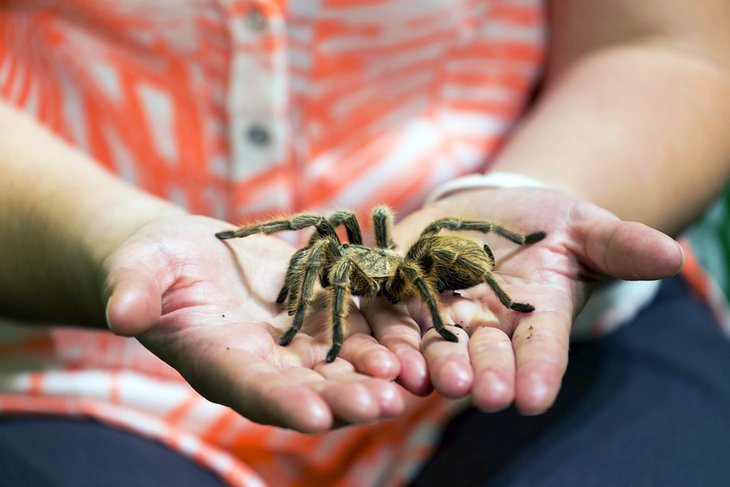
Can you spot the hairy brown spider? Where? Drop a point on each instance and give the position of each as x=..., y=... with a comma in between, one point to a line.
x=433, y=264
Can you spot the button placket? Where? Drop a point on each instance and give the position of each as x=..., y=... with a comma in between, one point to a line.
x=255, y=136
x=255, y=20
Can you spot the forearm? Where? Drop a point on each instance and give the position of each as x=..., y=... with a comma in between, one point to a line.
x=60, y=215
x=636, y=126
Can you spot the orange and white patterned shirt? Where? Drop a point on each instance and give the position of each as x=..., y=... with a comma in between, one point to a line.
x=243, y=108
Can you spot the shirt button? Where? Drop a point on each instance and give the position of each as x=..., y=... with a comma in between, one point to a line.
x=256, y=20
x=258, y=135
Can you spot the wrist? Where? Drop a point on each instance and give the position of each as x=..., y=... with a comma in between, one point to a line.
x=116, y=219
x=497, y=179
x=61, y=215
x=118, y=216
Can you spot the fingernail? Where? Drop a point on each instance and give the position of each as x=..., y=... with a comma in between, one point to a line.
x=681, y=261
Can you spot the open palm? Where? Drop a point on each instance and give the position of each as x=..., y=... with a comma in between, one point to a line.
x=207, y=308
x=505, y=356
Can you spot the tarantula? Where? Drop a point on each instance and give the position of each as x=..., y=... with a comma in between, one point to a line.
x=433, y=264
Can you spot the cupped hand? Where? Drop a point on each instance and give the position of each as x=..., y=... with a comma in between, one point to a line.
x=505, y=356
x=207, y=308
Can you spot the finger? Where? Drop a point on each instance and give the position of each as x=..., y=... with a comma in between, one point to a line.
x=630, y=250
x=370, y=357
x=134, y=304
x=291, y=396
x=358, y=348
x=493, y=361
x=357, y=398
x=541, y=354
x=393, y=327
x=490, y=348
x=448, y=362
x=259, y=391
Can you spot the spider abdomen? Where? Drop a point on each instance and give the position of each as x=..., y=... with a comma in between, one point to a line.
x=457, y=263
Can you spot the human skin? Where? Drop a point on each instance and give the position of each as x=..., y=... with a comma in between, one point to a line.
x=505, y=356
x=82, y=247
x=630, y=126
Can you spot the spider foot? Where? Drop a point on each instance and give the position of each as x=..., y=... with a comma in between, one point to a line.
x=282, y=295
x=225, y=235
x=332, y=354
x=288, y=336
x=534, y=237
x=447, y=335
x=522, y=307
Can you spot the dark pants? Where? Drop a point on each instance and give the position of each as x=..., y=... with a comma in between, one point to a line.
x=646, y=406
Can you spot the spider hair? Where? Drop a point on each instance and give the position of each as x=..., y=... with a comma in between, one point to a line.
x=435, y=263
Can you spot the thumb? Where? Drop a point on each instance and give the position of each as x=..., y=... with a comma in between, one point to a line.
x=134, y=302
x=632, y=251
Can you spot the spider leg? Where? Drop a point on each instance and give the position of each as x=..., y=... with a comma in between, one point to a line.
x=503, y=296
x=290, y=274
x=383, y=226
x=312, y=264
x=349, y=220
x=340, y=279
x=410, y=273
x=457, y=224
x=337, y=218
x=297, y=222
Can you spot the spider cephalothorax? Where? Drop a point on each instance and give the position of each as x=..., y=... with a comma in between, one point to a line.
x=434, y=263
